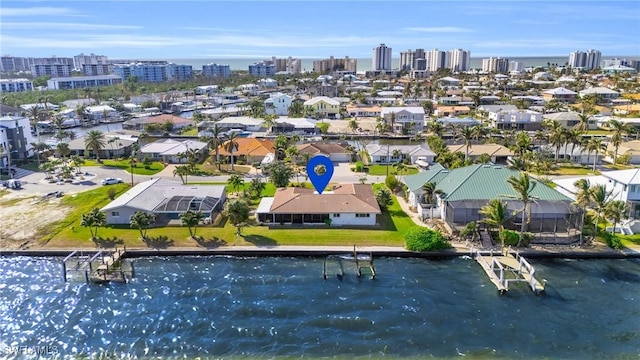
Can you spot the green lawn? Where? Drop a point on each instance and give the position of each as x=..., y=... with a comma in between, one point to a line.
x=393, y=225
x=225, y=169
x=573, y=170
x=138, y=168
x=378, y=170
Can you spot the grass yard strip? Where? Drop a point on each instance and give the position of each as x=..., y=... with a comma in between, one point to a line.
x=379, y=170
x=138, y=168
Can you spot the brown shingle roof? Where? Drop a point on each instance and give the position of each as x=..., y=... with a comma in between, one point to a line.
x=249, y=147
x=347, y=198
x=161, y=119
x=321, y=148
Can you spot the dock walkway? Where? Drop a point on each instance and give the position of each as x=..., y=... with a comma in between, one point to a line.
x=505, y=267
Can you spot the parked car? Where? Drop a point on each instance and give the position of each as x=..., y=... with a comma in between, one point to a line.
x=111, y=181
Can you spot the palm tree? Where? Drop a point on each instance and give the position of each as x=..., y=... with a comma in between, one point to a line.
x=63, y=150
x=235, y=181
x=36, y=114
x=231, y=145
x=557, y=137
x=600, y=197
x=214, y=141
x=523, y=143
x=237, y=210
x=191, y=219
x=353, y=125
x=257, y=186
x=619, y=129
x=616, y=210
x=93, y=219
x=466, y=134
x=478, y=132
x=583, y=199
x=296, y=109
x=429, y=189
x=182, y=171
x=94, y=141
x=496, y=215
x=142, y=221
x=523, y=186
x=594, y=145
x=583, y=123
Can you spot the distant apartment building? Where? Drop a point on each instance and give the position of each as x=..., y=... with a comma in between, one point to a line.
x=81, y=82
x=216, y=70
x=381, y=59
x=262, y=69
x=413, y=60
x=495, y=65
x=15, y=85
x=153, y=71
x=621, y=62
x=96, y=69
x=333, y=65
x=436, y=59
x=177, y=72
x=516, y=66
x=14, y=64
x=459, y=60
x=92, y=59
x=588, y=60
x=456, y=60
x=53, y=70
x=289, y=65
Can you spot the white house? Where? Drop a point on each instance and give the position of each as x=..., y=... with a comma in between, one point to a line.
x=391, y=154
x=346, y=204
x=300, y=126
x=527, y=120
x=249, y=89
x=169, y=150
x=278, y=104
x=99, y=112
x=569, y=119
x=165, y=199
x=267, y=83
x=409, y=118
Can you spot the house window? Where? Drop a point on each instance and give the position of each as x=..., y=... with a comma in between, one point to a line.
x=336, y=215
x=115, y=214
x=633, y=188
x=362, y=215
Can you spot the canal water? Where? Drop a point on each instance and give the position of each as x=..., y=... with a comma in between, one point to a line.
x=226, y=307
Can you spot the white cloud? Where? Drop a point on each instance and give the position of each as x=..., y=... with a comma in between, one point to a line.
x=37, y=11
x=67, y=26
x=440, y=29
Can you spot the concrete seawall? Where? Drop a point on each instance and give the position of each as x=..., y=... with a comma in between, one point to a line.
x=319, y=251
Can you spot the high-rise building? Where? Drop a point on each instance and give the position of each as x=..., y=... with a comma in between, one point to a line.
x=153, y=72
x=406, y=60
x=593, y=60
x=216, y=70
x=495, y=65
x=178, y=72
x=459, y=60
x=332, y=64
x=15, y=85
x=92, y=59
x=516, y=66
x=621, y=62
x=436, y=60
x=585, y=60
x=412, y=60
x=381, y=59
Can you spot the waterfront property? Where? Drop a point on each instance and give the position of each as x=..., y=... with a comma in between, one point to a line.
x=560, y=94
x=140, y=123
x=417, y=198
x=248, y=150
x=569, y=119
x=278, y=104
x=324, y=106
x=464, y=191
x=15, y=139
x=166, y=199
x=335, y=152
x=404, y=119
x=497, y=153
x=289, y=125
x=114, y=146
x=172, y=151
x=631, y=149
x=391, y=154
x=346, y=204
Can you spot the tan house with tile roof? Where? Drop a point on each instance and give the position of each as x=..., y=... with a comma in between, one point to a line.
x=249, y=150
x=631, y=148
x=335, y=152
x=346, y=205
x=140, y=123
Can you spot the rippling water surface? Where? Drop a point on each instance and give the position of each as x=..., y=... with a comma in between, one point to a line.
x=281, y=307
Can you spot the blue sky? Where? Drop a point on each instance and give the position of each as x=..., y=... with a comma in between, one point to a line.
x=315, y=29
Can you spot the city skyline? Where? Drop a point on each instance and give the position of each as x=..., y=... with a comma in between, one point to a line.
x=249, y=29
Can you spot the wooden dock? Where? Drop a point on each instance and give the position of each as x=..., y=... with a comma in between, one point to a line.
x=504, y=268
x=99, y=267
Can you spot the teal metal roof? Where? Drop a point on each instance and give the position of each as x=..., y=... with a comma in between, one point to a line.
x=414, y=182
x=486, y=182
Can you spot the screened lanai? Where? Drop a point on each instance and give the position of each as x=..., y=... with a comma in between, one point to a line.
x=177, y=205
x=550, y=221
